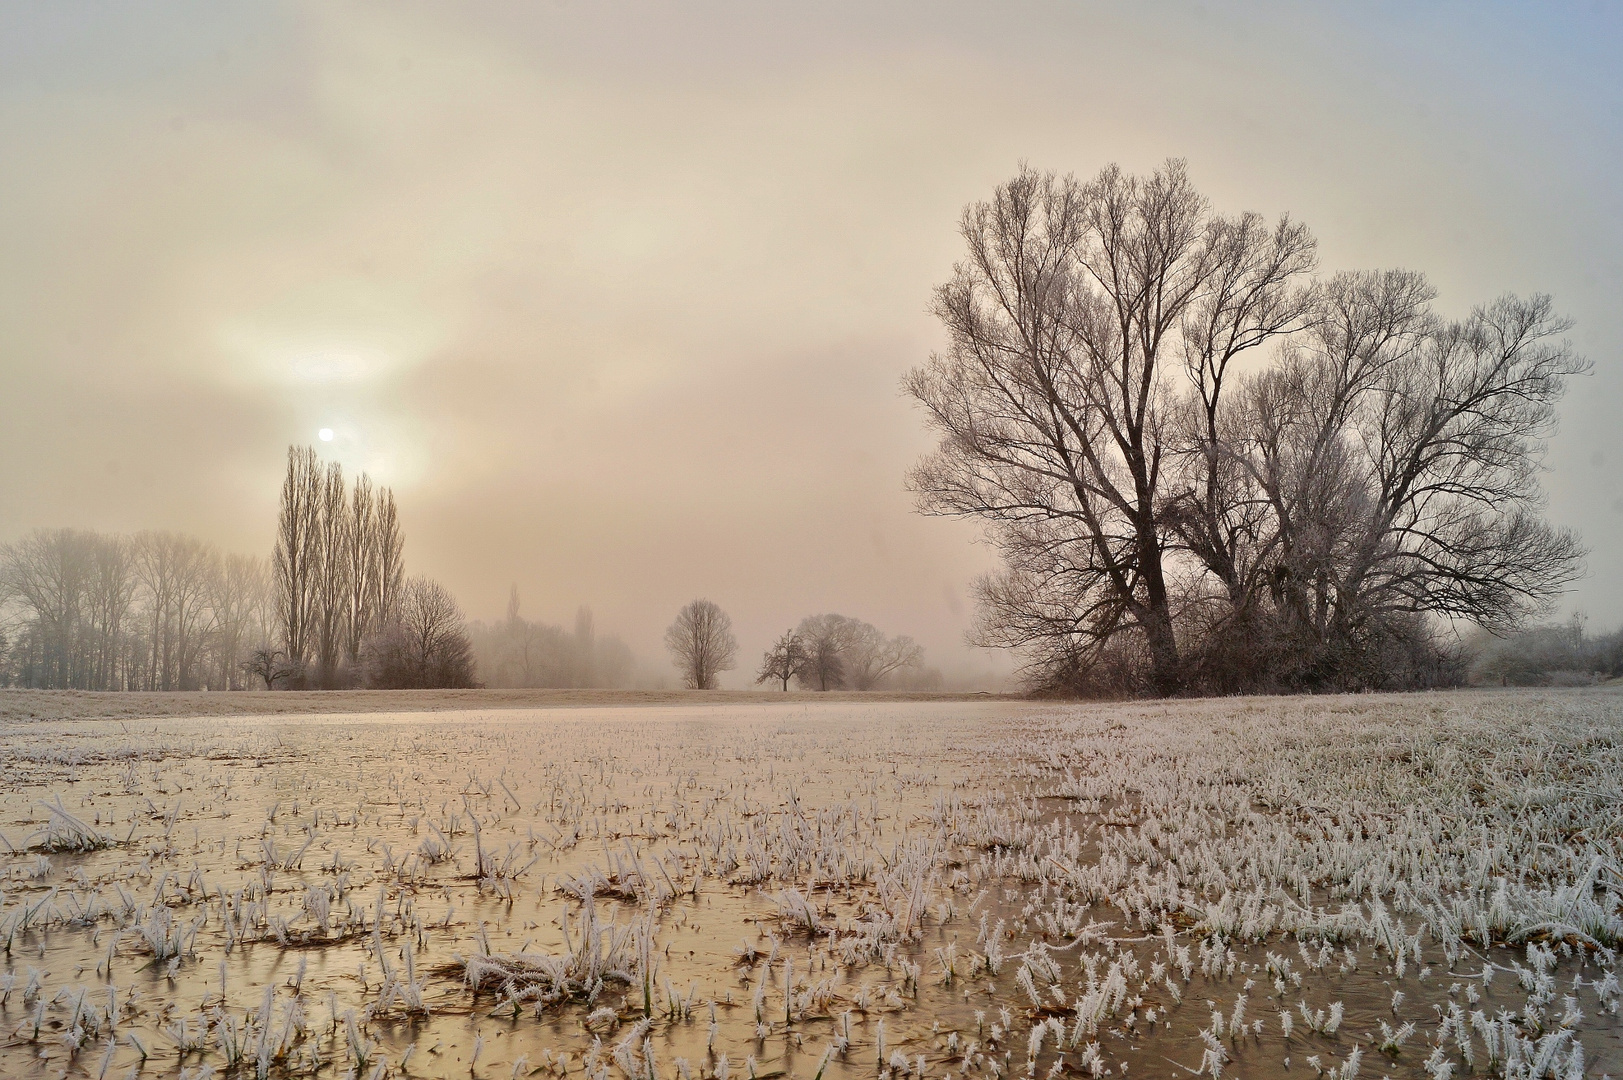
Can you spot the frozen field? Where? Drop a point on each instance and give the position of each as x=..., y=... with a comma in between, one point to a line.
x=1371, y=886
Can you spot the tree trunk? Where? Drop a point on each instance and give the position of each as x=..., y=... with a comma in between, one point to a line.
x=1165, y=665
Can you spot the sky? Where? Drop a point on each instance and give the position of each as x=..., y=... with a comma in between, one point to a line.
x=617, y=297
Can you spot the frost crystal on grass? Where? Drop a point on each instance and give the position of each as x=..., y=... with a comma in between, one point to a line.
x=1094, y=881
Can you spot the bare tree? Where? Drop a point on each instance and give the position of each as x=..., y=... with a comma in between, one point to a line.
x=783, y=661
x=824, y=639
x=519, y=662
x=701, y=643
x=1090, y=412
x=1401, y=471
x=842, y=652
x=585, y=648
x=239, y=593
x=158, y=569
x=871, y=656
x=388, y=554
x=175, y=573
x=48, y=572
x=332, y=604
x=361, y=558
x=1077, y=305
x=425, y=645
x=1272, y=487
x=298, y=553
x=268, y=665
x=111, y=597
x=108, y=612
x=338, y=566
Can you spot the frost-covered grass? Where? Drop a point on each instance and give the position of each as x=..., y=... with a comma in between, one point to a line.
x=1424, y=886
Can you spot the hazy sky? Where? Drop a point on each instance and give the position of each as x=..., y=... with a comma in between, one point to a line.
x=617, y=297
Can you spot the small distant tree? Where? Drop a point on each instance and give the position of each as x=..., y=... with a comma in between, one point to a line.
x=825, y=639
x=783, y=661
x=268, y=665
x=701, y=643
x=514, y=651
x=846, y=653
x=871, y=656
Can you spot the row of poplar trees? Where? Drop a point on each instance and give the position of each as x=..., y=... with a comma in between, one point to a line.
x=338, y=569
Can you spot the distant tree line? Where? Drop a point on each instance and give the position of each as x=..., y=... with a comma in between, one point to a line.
x=835, y=652
x=1208, y=469
x=1544, y=656
x=517, y=652
x=153, y=611
x=347, y=614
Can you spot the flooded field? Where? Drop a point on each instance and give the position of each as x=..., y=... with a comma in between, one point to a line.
x=1374, y=886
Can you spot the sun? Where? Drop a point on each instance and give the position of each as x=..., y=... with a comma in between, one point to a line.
x=325, y=434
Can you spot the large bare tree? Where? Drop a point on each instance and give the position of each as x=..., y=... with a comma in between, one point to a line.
x=701, y=643
x=1398, y=455
x=1148, y=490
x=1270, y=486
x=1078, y=306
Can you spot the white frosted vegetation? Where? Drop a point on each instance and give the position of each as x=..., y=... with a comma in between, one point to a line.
x=1422, y=886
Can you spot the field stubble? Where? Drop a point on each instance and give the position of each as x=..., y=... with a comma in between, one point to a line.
x=1408, y=886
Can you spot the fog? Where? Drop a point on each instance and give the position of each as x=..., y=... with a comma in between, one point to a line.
x=617, y=299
